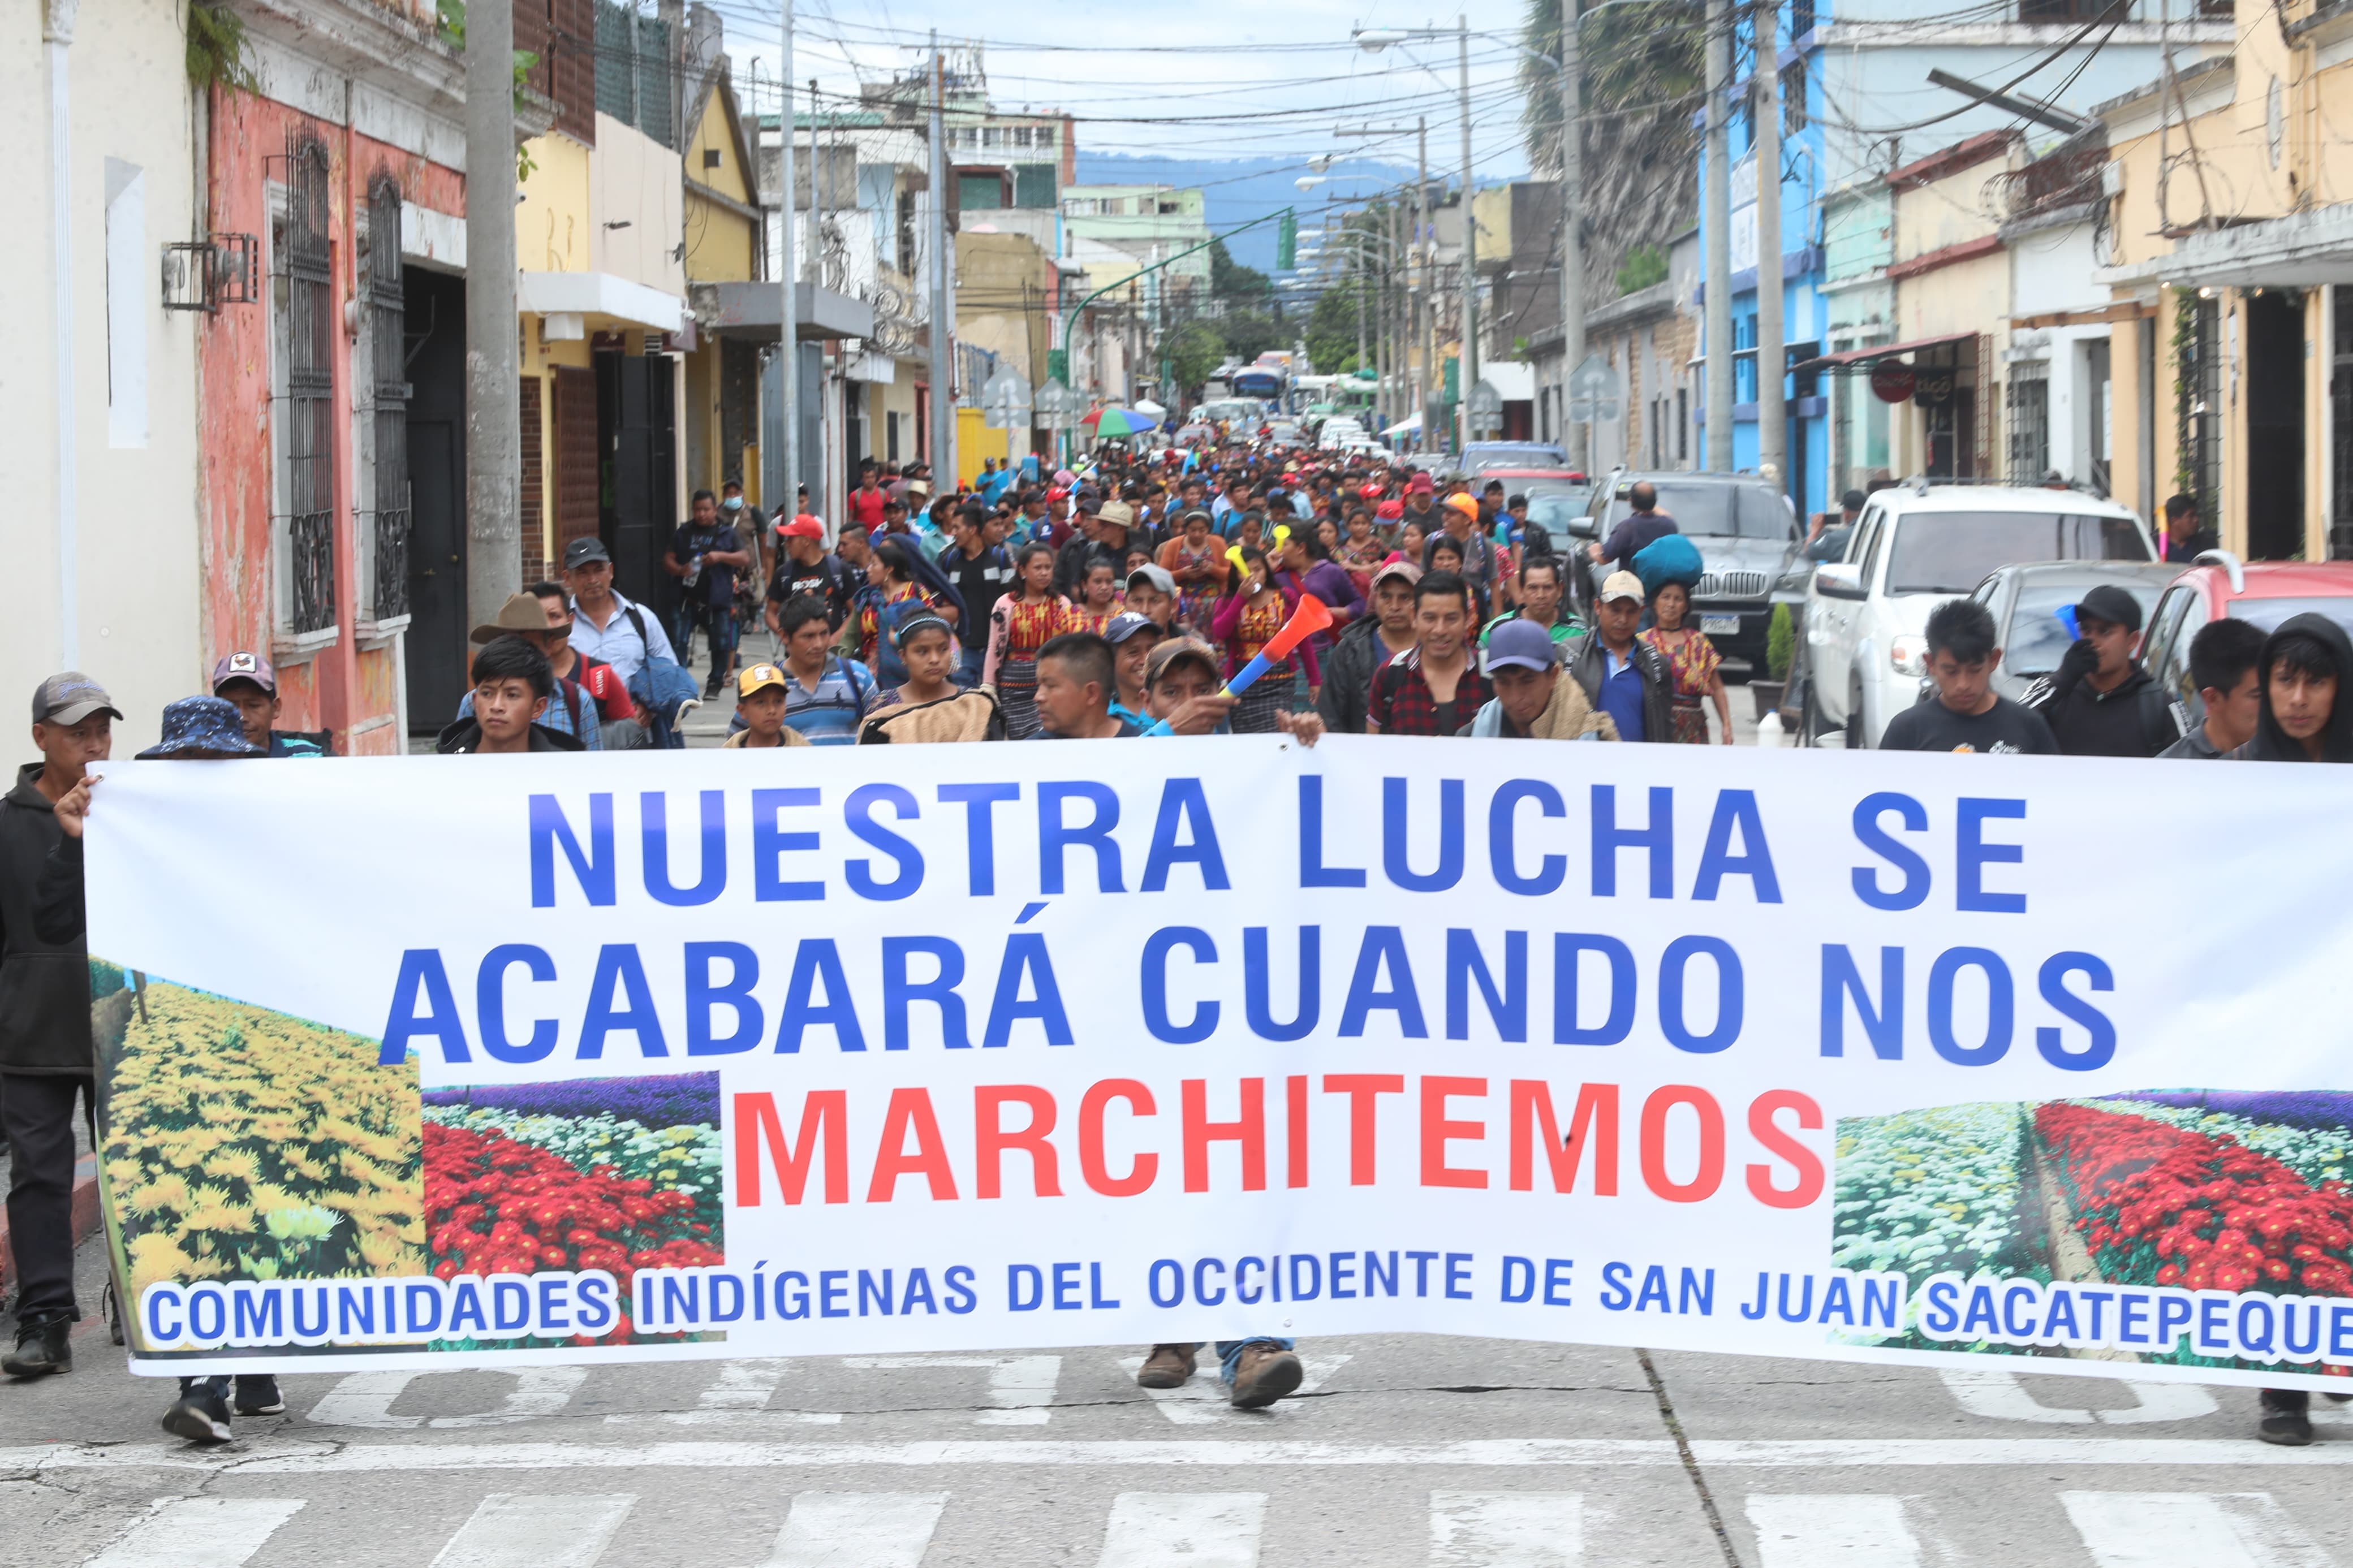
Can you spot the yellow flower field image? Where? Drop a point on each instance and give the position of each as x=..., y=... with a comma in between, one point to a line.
x=243, y=1143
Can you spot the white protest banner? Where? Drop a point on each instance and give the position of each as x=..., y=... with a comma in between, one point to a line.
x=500, y=1060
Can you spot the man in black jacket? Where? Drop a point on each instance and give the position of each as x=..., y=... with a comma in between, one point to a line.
x=2100, y=702
x=1370, y=642
x=45, y=1043
x=195, y=729
x=1614, y=665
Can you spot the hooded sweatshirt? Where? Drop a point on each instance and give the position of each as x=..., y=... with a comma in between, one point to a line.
x=2273, y=744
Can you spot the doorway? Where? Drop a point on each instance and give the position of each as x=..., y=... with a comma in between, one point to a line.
x=2274, y=426
x=434, y=650
x=637, y=477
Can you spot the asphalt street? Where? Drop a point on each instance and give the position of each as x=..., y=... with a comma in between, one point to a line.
x=1428, y=1452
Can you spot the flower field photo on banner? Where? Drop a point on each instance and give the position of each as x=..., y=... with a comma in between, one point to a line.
x=1923, y=1193
x=243, y=1143
x=612, y=1174
x=2203, y=1190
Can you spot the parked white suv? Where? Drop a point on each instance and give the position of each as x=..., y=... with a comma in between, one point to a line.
x=1915, y=547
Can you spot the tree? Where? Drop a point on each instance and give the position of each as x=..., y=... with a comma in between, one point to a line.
x=1644, y=70
x=1250, y=334
x=1232, y=284
x=1194, y=349
x=1332, y=327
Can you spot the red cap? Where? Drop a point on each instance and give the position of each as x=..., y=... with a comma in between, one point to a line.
x=1418, y=485
x=803, y=527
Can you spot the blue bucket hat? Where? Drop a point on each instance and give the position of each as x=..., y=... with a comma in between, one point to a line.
x=202, y=724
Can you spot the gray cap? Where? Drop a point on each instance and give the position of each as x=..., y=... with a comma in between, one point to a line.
x=1156, y=575
x=70, y=698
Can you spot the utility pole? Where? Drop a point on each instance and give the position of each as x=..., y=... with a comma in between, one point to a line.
x=493, y=384
x=1717, y=226
x=1425, y=246
x=56, y=40
x=1361, y=282
x=1772, y=355
x=1391, y=396
x=943, y=471
x=789, y=346
x=1468, y=382
x=1572, y=224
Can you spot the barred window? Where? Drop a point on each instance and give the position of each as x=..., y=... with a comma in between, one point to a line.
x=387, y=327
x=306, y=414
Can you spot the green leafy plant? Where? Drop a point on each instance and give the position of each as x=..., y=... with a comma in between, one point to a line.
x=1780, y=643
x=218, y=51
x=1645, y=266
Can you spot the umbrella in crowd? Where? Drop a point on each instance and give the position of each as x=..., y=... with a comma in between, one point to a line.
x=1116, y=423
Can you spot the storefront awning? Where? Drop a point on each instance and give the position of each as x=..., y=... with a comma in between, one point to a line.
x=752, y=310
x=1864, y=359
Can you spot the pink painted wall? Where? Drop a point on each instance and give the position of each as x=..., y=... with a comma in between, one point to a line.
x=341, y=686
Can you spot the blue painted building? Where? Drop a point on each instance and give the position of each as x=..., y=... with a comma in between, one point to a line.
x=1856, y=104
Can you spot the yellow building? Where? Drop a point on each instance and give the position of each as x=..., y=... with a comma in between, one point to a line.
x=725, y=239
x=2229, y=229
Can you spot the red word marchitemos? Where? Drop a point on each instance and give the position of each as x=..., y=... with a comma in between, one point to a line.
x=1543, y=1140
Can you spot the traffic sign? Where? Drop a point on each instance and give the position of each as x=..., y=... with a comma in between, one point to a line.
x=1005, y=400
x=1596, y=378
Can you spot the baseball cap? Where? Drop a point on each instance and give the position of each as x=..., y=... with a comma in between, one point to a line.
x=1621, y=585
x=581, y=552
x=1467, y=505
x=1419, y=485
x=802, y=527
x=2110, y=603
x=1119, y=513
x=1399, y=567
x=1523, y=645
x=69, y=697
x=249, y=667
x=1125, y=624
x=1176, y=648
x=759, y=677
x=1156, y=576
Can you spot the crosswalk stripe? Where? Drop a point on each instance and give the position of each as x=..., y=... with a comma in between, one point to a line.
x=1843, y=1529
x=1197, y=1529
x=1021, y=1387
x=510, y=1531
x=199, y=1532
x=1507, y=1530
x=2190, y=1530
x=2000, y=1394
x=266, y=1456
x=857, y=1529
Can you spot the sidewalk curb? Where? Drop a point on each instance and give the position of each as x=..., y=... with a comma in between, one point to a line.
x=85, y=1218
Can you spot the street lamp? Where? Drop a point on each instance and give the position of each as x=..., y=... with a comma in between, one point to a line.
x=1372, y=40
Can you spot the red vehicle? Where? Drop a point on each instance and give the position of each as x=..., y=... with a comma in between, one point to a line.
x=2261, y=593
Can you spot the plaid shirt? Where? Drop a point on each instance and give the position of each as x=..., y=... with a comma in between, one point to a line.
x=1401, y=702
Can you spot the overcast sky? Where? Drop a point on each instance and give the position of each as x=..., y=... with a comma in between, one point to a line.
x=1216, y=78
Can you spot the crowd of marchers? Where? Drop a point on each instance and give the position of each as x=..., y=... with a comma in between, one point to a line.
x=1134, y=599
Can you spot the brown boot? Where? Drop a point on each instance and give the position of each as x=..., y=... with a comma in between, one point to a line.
x=1264, y=1373
x=1166, y=1367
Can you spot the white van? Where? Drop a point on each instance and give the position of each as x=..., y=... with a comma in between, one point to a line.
x=1915, y=547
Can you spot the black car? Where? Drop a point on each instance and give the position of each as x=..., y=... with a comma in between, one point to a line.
x=1749, y=541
